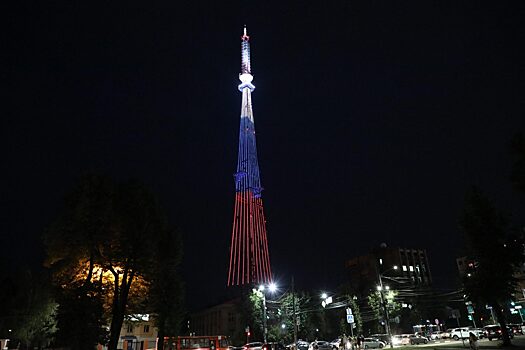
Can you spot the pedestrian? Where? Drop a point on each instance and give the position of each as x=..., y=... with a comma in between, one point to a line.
x=473, y=341
x=359, y=341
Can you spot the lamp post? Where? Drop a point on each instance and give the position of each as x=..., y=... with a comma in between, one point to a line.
x=272, y=287
x=381, y=290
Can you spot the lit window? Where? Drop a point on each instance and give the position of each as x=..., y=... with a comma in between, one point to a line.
x=130, y=328
x=146, y=328
x=404, y=267
x=411, y=268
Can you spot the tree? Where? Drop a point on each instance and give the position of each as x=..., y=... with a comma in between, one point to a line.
x=166, y=294
x=518, y=167
x=345, y=327
x=28, y=309
x=488, y=240
x=392, y=306
x=103, y=250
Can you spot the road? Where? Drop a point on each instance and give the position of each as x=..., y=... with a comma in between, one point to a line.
x=518, y=343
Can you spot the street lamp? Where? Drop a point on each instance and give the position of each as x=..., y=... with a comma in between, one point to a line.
x=272, y=287
x=381, y=290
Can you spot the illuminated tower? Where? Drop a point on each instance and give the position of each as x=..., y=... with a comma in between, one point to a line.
x=249, y=259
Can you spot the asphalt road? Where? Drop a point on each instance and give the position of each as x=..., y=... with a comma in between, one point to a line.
x=518, y=343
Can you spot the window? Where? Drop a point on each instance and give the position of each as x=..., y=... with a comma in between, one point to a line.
x=146, y=328
x=404, y=267
x=130, y=328
x=411, y=268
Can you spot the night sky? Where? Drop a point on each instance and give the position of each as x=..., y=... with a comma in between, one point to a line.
x=372, y=121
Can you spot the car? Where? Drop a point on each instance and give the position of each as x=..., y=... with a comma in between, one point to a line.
x=400, y=339
x=273, y=346
x=253, y=346
x=446, y=334
x=415, y=339
x=459, y=333
x=336, y=343
x=436, y=335
x=320, y=345
x=494, y=332
x=383, y=337
x=301, y=345
x=516, y=328
x=478, y=332
x=373, y=343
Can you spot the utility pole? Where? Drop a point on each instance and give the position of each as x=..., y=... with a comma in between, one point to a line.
x=294, y=316
x=385, y=311
x=265, y=325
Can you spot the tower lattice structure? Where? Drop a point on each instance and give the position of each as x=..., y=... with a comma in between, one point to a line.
x=249, y=258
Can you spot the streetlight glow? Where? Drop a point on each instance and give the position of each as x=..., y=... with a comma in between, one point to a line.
x=324, y=296
x=272, y=287
x=261, y=287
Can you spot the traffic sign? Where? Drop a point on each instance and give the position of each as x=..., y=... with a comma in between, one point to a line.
x=348, y=311
x=350, y=318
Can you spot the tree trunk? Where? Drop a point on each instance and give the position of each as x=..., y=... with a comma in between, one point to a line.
x=160, y=337
x=120, y=300
x=117, y=317
x=503, y=323
x=116, y=325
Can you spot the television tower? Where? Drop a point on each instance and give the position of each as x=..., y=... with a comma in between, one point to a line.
x=249, y=258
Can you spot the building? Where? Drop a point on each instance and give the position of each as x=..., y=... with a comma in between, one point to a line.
x=465, y=266
x=406, y=265
x=249, y=258
x=222, y=319
x=137, y=333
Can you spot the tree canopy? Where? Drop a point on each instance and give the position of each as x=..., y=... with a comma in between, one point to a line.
x=489, y=240
x=104, y=251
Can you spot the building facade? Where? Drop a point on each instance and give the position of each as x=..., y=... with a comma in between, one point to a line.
x=222, y=319
x=406, y=265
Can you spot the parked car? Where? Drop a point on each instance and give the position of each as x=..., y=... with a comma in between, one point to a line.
x=415, y=339
x=494, y=332
x=320, y=345
x=446, y=334
x=383, y=337
x=436, y=335
x=400, y=339
x=336, y=343
x=301, y=345
x=253, y=346
x=478, y=332
x=459, y=333
x=273, y=346
x=373, y=343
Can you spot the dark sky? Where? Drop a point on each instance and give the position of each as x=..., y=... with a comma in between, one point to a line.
x=372, y=120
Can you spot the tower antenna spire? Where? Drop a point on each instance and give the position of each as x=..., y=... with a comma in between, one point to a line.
x=245, y=53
